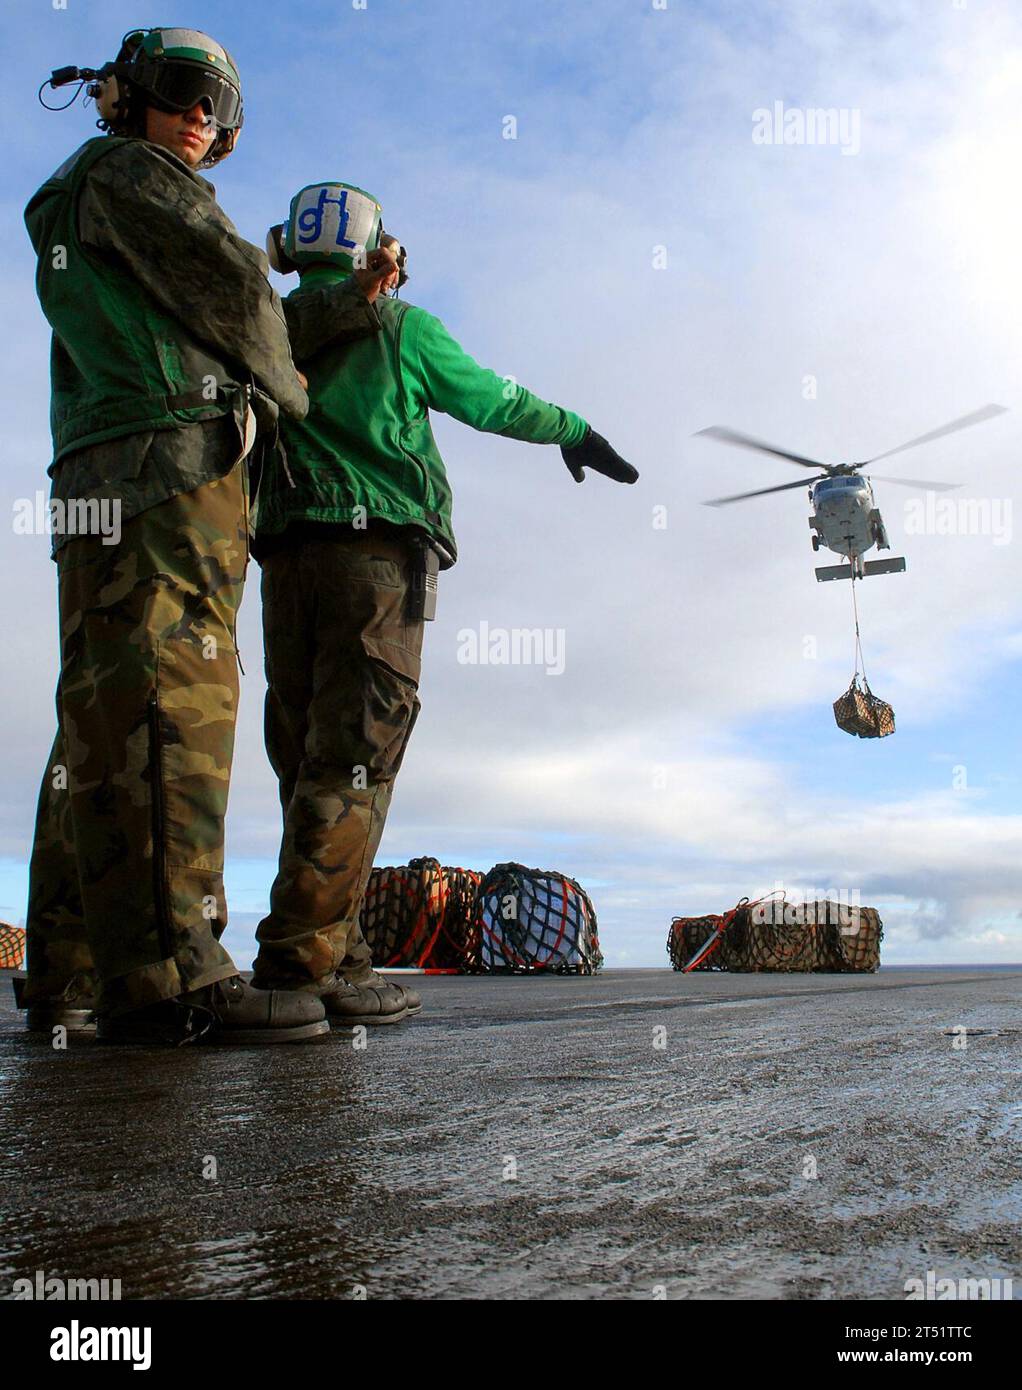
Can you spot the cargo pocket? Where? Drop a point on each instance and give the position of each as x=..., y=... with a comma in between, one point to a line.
x=390, y=704
x=196, y=702
x=191, y=743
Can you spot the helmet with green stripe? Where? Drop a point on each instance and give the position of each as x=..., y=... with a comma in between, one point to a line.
x=328, y=223
x=173, y=70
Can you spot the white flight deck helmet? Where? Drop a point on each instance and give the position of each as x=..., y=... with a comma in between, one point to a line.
x=328, y=224
x=174, y=70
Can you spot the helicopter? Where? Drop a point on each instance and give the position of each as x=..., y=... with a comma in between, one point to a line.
x=845, y=515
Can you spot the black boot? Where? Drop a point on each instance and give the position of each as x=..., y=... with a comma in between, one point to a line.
x=229, y=1011
x=73, y=1010
x=373, y=1001
x=371, y=979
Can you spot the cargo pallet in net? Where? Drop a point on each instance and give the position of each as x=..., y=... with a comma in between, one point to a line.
x=424, y=915
x=859, y=712
x=419, y=915
x=535, y=920
x=12, y=947
x=837, y=939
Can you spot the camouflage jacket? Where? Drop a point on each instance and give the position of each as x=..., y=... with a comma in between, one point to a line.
x=145, y=211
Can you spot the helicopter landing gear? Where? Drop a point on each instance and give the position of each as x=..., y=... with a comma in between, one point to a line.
x=816, y=542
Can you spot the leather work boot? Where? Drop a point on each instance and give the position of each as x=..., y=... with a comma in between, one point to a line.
x=413, y=999
x=73, y=1012
x=229, y=1011
x=374, y=1001
x=43, y=1018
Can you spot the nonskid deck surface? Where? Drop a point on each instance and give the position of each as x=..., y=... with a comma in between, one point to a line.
x=537, y=1138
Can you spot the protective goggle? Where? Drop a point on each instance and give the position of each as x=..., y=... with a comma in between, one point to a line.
x=178, y=86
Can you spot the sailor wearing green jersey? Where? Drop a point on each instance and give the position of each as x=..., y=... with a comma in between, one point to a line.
x=350, y=535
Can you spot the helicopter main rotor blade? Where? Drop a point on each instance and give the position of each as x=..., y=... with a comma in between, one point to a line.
x=919, y=482
x=746, y=441
x=762, y=492
x=986, y=412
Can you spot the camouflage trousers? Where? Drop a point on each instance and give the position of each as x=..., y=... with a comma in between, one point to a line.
x=126, y=897
x=342, y=668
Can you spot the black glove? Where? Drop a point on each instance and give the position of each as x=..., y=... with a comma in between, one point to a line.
x=594, y=452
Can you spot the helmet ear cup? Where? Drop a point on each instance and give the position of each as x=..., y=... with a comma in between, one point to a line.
x=279, y=260
x=392, y=244
x=222, y=147
x=108, y=98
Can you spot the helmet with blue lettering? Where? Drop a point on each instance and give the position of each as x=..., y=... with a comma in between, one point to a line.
x=328, y=224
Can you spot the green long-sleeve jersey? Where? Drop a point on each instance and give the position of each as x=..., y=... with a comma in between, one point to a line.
x=366, y=450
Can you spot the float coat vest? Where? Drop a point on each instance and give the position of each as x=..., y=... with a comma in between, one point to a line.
x=119, y=363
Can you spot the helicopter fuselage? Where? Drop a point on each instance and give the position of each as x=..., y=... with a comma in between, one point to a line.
x=845, y=516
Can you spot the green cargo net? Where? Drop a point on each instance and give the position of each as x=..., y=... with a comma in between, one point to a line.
x=824, y=937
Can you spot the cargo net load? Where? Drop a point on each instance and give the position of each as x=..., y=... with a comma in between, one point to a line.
x=827, y=937
x=535, y=919
x=427, y=916
x=420, y=915
x=12, y=947
x=858, y=711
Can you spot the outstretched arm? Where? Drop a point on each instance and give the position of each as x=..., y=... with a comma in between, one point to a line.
x=456, y=384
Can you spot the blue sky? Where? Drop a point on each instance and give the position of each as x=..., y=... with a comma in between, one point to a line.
x=688, y=754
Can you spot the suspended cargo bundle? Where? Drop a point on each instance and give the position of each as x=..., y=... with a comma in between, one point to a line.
x=858, y=711
x=535, y=920
x=12, y=947
x=824, y=937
